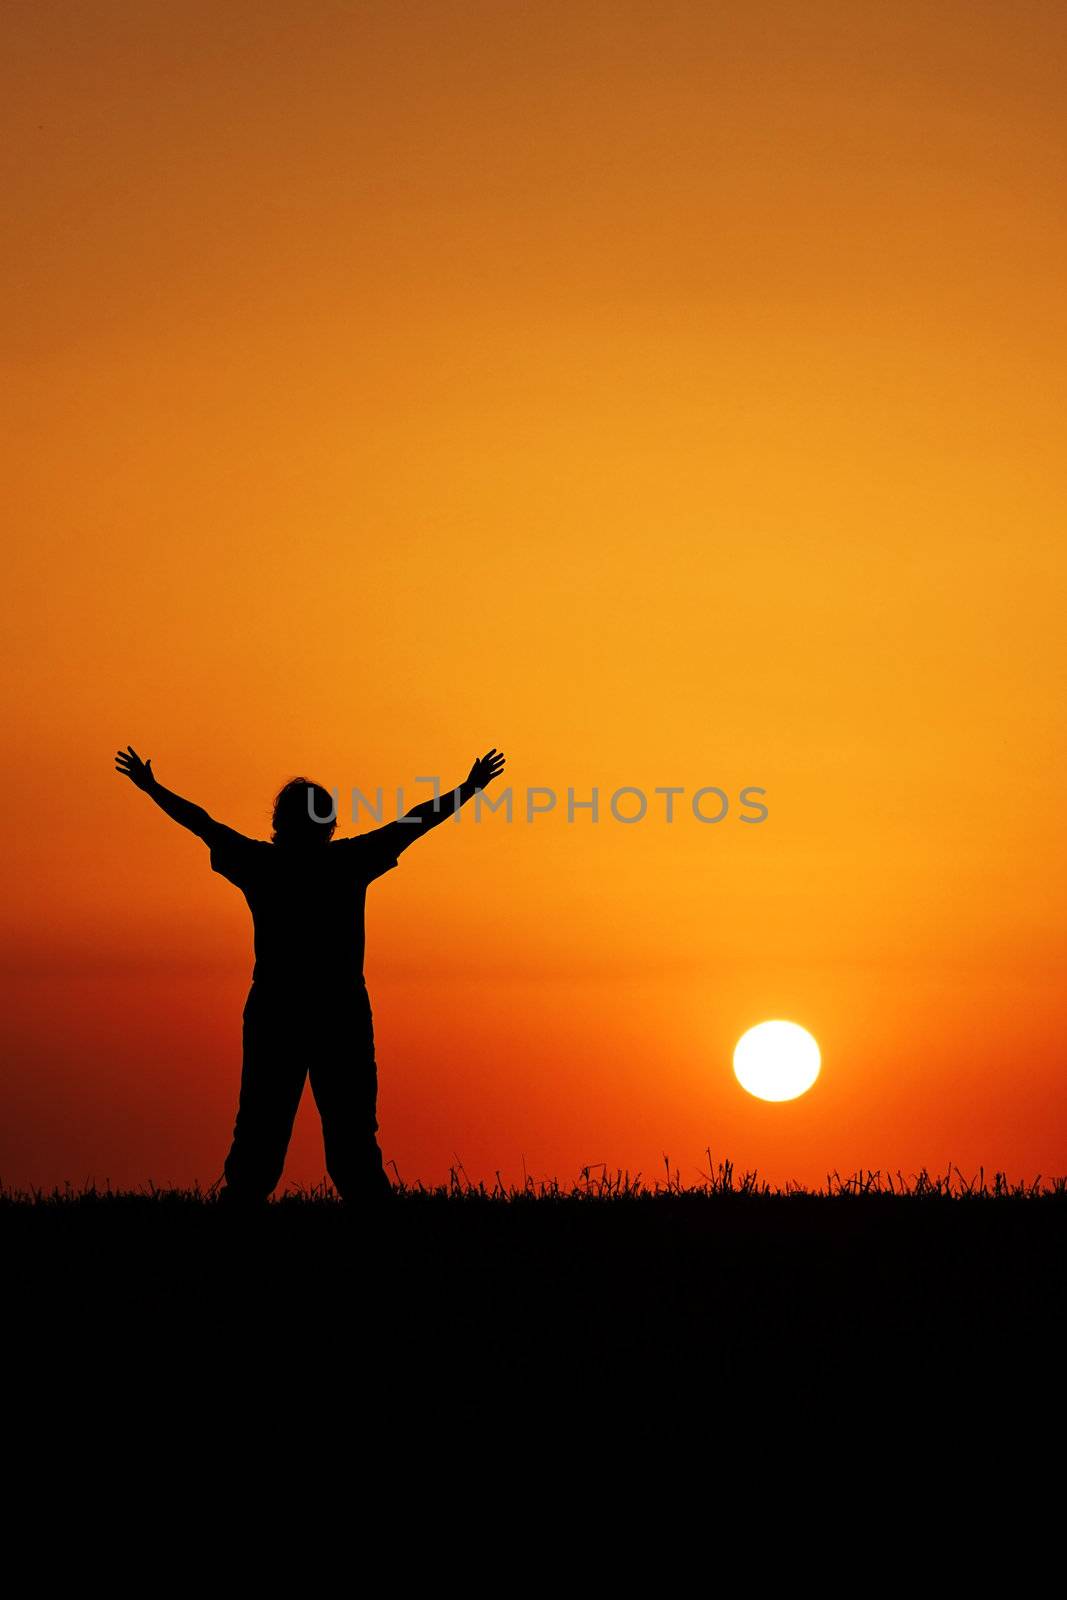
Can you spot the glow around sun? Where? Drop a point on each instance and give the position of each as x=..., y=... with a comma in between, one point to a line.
x=776, y=1061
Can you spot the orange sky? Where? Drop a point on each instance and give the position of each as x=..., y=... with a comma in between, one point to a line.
x=663, y=393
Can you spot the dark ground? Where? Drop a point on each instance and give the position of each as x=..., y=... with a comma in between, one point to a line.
x=651, y=1301
x=476, y=1392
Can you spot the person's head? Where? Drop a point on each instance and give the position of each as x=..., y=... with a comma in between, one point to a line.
x=304, y=813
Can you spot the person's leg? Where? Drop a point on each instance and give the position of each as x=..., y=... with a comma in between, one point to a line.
x=344, y=1081
x=273, y=1071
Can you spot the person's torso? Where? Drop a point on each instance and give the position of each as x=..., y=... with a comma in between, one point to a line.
x=308, y=921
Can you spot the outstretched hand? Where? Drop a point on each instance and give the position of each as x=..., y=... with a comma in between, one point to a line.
x=139, y=772
x=485, y=769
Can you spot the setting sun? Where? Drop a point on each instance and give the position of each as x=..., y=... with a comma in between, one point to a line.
x=776, y=1061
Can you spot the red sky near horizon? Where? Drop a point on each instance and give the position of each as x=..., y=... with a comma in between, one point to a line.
x=665, y=394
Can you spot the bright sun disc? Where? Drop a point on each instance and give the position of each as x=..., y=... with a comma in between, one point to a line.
x=776, y=1061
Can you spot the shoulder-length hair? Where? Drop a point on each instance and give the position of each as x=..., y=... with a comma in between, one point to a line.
x=303, y=811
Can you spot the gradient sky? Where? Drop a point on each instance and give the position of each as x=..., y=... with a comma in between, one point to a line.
x=663, y=393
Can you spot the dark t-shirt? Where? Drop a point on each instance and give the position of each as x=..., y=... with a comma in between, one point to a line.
x=307, y=903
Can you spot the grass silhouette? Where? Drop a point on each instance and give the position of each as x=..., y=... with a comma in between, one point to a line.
x=595, y=1182
x=912, y=1293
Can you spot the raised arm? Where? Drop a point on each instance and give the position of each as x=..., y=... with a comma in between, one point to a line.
x=429, y=813
x=140, y=774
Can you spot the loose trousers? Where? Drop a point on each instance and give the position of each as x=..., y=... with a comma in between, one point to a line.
x=287, y=1037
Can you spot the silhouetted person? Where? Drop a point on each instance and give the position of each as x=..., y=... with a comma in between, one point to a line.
x=307, y=1011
